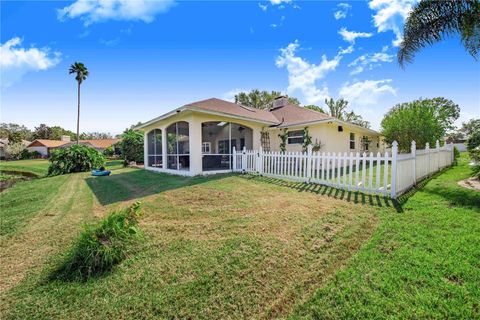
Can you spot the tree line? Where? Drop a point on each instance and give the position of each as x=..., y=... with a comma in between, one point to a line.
x=16, y=133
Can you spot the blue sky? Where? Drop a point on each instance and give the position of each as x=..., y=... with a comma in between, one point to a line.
x=148, y=57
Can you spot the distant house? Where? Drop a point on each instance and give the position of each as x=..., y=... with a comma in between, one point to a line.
x=45, y=147
x=200, y=137
x=4, y=143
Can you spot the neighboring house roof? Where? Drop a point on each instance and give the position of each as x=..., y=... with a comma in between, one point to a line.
x=94, y=143
x=280, y=116
x=99, y=144
x=47, y=143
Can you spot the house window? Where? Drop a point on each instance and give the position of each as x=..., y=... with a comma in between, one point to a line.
x=295, y=137
x=154, y=151
x=352, y=140
x=206, y=147
x=178, y=151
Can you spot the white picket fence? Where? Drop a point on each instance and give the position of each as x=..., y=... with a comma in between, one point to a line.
x=386, y=174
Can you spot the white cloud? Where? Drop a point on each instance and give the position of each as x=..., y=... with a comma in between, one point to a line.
x=390, y=15
x=370, y=61
x=302, y=75
x=277, y=2
x=342, y=11
x=366, y=92
x=230, y=95
x=15, y=61
x=92, y=11
x=351, y=36
x=264, y=7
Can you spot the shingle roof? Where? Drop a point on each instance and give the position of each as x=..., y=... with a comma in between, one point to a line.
x=101, y=143
x=50, y=143
x=291, y=114
x=230, y=108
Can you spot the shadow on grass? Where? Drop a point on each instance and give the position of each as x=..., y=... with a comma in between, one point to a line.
x=138, y=183
x=349, y=196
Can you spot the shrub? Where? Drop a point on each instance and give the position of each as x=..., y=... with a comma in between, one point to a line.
x=13, y=151
x=100, y=247
x=108, y=152
x=25, y=155
x=77, y=158
x=132, y=146
x=456, y=154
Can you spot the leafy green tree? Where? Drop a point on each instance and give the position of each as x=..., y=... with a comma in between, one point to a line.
x=338, y=109
x=315, y=108
x=469, y=127
x=14, y=137
x=423, y=120
x=57, y=132
x=432, y=21
x=95, y=135
x=81, y=74
x=42, y=132
x=260, y=99
x=131, y=145
x=7, y=128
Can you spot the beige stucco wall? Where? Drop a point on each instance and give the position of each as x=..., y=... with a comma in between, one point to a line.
x=330, y=138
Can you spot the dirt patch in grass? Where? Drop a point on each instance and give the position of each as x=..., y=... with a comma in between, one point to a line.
x=470, y=183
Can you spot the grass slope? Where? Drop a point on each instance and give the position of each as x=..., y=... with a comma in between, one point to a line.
x=221, y=247
x=422, y=263
x=36, y=166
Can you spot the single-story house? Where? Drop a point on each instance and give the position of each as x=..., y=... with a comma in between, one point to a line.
x=45, y=147
x=199, y=138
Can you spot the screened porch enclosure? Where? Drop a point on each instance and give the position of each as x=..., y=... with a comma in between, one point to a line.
x=218, y=141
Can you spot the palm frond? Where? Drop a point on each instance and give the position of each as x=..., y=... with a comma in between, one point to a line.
x=432, y=21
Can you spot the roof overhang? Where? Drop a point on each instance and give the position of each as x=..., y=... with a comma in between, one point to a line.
x=200, y=110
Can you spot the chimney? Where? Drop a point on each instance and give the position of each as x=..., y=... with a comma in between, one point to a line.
x=65, y=138
x=280, y=101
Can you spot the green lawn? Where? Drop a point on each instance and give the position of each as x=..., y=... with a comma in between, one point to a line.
x=231, y=246
x=36, y=166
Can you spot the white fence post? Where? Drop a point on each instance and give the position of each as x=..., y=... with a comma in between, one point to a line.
x=413, y=149
x=244, y=159
x=234, y=160
x=260, y=161
x=393, y=188
x=452, y=153
x=309, y=162
x=437, y=155
x=427, y=150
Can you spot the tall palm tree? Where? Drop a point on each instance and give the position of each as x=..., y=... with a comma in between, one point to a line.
x=81, y=74
x=432, y=20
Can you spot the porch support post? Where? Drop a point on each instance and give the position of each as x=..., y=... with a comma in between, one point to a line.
x=145, y=150
x=195, y=127
x=164, y=147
